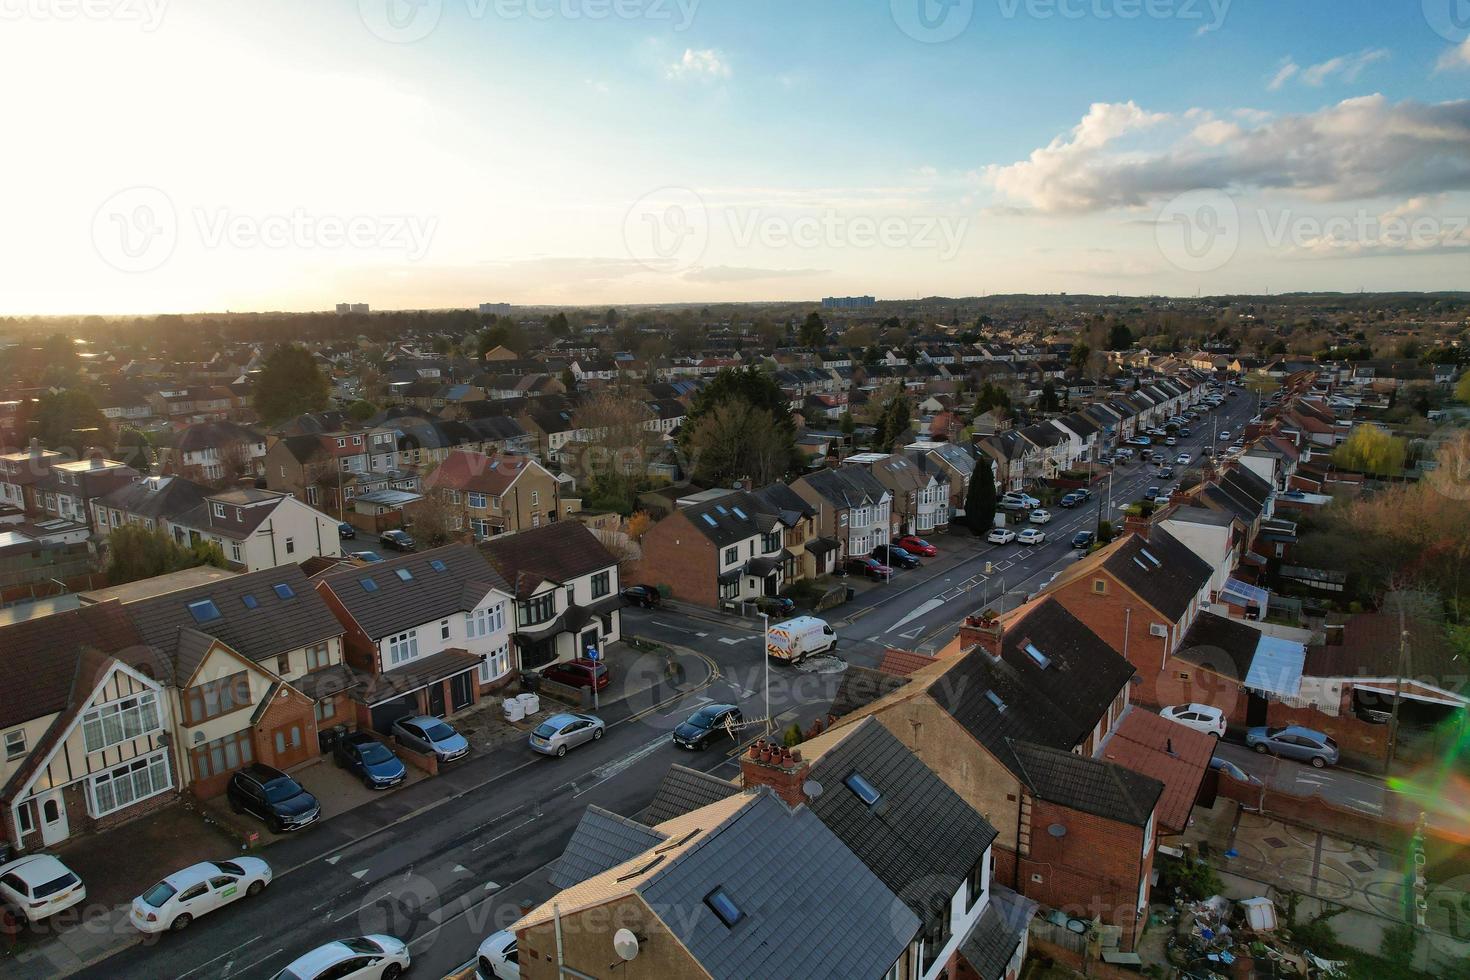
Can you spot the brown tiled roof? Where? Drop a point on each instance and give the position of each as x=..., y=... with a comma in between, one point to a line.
x=1370, y=648
x=86, y=670
x=1142, y=743
x=395, y=603
x=39, y=657
x=903, y=662
x=557, y=552
x=465, y=470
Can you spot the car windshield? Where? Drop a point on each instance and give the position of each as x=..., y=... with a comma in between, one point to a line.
x=374, y=753
x=920, y=543
x=229, y=867
x=54, y=885
x=287, y=975
x=280, y=790
x=704, y=717
x=546, y=729
x=159, y=894
x=1274, y=732
x=363, y=945
x=438, y=731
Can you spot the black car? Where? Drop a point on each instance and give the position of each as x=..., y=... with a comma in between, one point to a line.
x=272, y=796
x=775, y=605
x=396, y=540
x=372, y=761
x=706, y=725
x=1083, y=539
x=346, y=531
x=642, y=595
x=895, y=557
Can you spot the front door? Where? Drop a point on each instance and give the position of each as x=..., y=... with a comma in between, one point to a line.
x=459, y=691
x=53, y=818
x=436, y=699
x=290, y=744
x=589, y=642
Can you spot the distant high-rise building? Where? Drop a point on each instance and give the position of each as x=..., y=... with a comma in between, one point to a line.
x=344, y=308
x=847, y=302
x=499, y=309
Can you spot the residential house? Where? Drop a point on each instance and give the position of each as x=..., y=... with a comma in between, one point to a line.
x=954, y=462
x=920, y=497
x=429, y=630
x=812, y=556
x=852, y=507
x=496, y=494
x=258, y=529
x=210, y=452
x=152, y=501
x=68, y=489
x=717, y=553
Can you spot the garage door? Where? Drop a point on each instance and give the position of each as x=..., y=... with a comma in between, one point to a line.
x=385, y=714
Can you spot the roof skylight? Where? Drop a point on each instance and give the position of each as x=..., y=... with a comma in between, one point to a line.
x=862, y=789
x=204, y=611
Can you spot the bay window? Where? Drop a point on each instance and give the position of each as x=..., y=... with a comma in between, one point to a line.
x=120, y=721
x=127, y=784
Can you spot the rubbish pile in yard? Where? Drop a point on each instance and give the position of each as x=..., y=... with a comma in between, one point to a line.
x=1220, y=938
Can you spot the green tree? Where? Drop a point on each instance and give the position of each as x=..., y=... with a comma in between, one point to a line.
x=1078, y=360
x=290, y=384
x=1397, y=945
x=847, y=424
x=362, y=410
x=813, y=330
x=991, y=396
x=1462, y=390
x=557, y=325
x=980, y=498
x=1120, y=337
x=1049, y=402
x=133, y=449
x=71, y=421
x=1371, y=450
x=135, y=553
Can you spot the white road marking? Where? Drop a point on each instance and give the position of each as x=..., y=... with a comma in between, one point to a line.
x=228, y=952
x=358, y=874
x=731, y=642
x=334, y=859
x=490, y=840
x=922, y=609
x=701, y=635
x=677, y=629
x=460, y=869
x=614, y=768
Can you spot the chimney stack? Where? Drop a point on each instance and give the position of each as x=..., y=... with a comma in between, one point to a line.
x=774, y=765
x=982, y=631
x=1135, y=524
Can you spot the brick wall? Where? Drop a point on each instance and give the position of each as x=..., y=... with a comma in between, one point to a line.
x=1122, y=620
x=679, y=556
x=358, y=649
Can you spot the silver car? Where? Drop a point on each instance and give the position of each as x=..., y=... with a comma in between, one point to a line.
x=566, y=731
x=430, y=736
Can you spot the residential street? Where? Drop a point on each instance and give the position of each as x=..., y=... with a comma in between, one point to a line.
x=1340, y=786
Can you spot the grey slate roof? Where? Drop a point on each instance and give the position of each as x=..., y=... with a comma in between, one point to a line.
x=601, y=841
x=683, y=790
x=1161, y=570
x=728, y=519
x=994, y=938
x=1093, y=786
x=1220, y=644
x=396, y=605
x=174, y=496
x=921, y=839
x=812, y=909
x=847, y=486
x=274, y=626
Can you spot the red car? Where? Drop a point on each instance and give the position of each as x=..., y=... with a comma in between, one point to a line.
x=917, y=546
x=579, y=673
x=871, y=567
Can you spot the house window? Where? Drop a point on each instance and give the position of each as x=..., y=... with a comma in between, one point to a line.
x=219, y=510
x=732, y=555
x=126, y=785
x=495, y=664
x=235, y=551
x=1099, y=586
x=325, y=710
x=223, y=755
x=535, y=498
x=481, y=527
x=935, y=932
x=454, y=496
x=290, y=546
x=601, y=584
x=120, y=721
x=477, y=500
x=771, y=542
x=403, y=647
x=15, y=744
x=27, y=819
x=494, y=503
x=538, y=610
x=318, y=656
x=484, y=622
x=443, y=629
x=976, y=883
x=283, y=665
x=218, y=697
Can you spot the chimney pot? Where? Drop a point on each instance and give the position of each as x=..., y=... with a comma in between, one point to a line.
x=982, y=631
x=796, y=755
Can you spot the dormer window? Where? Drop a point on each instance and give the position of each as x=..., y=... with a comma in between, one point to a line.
x=219, y=510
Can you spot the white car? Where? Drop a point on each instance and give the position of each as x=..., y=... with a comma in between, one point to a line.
x=1000, y=535
x=1039, y=516
x=1031, y=536
x=361, y=958
x=1200, y=717
x=1225, y=436
x=1184, y=459
x=39, y=886
x=1171, y=441
x=498, y=958
x=185, y=895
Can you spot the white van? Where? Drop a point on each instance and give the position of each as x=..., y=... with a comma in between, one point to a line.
x=799, y=638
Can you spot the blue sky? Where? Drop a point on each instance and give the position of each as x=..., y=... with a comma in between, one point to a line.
x=426, y=153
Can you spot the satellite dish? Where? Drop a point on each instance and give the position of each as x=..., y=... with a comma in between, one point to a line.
x=625, y=944
x=1057, y=830
x=812, y=789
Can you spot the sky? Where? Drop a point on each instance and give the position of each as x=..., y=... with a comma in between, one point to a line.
x=164, y=156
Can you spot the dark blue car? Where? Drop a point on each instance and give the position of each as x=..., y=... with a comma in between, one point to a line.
x=372, y=761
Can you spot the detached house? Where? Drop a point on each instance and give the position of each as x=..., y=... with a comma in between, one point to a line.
x=496, y=494
x=258, y=529
x=717, y=553
x=214, y=451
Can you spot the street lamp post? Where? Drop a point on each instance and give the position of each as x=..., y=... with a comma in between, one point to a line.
x=766, y=657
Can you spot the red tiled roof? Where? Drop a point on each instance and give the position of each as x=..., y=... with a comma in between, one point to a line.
x=1141, y=743
x=465, y=470
x=902, y=663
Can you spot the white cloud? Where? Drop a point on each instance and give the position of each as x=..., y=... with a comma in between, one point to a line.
x=1455, y=59
x=1359, y=148
x=1283, y=74
x=1346, y=67
x=701, y=63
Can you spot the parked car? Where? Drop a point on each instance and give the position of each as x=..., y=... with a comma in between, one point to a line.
x=1071, y=500
x=706, y=725
x=1083, y=494
x=1294, y=742
x=272, y=796
x=362, y=958
x=370, y=760
x=1151, y=493
x=1184, y=431
x=498, y=958
x=396, y=540
x=895, y=557
x=1031, y=535
x=1227, y=768
x=1012, y=501
x=1201, y=717
x=1083, y=539
x=1184, y=459
x=425, y=734
x=346, y=531
x=646, y=596
x=366, y=557
x=1000, y=535
x=39, y=885
x=566, y=730
x=917, y=546
x=1039, y=516
x=775, y=605
x=871, y=567
x=1171, y=441
x=197, y=890
x=1225, y=436
x=579, y=672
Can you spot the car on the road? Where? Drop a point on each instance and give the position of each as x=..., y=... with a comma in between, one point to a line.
x=579, y=672
x=270, y=795
x=346, y=531
x=1224, y=436
x=1151, y=493
x=1039, y=516
x=1185, y=433
x=895, y=557
x=1227, y=768
x=366, y=557
x=706, y=725
x=1031, y=535
x=1294, y=742
x=871, y=567
x=1166, y=473
x=1171, y=441
x=1184, y=459
x=197, y=890
x=396, y=540
x=429, y=735
x=1201, y=717
x=369, y=759
x=39, y=885
x=361, y=958
x=1000, y=535
x=1070, y=500
x=1083, y=539
x=646, y=596
x=498, y=958
x=917, y=546
x=566, y=730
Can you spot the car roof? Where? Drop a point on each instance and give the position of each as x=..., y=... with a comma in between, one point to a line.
x=261, y=772
x=1303, y=730
x=314, y=962
x=37, y=869
x=192, y=875
x=417, y=719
